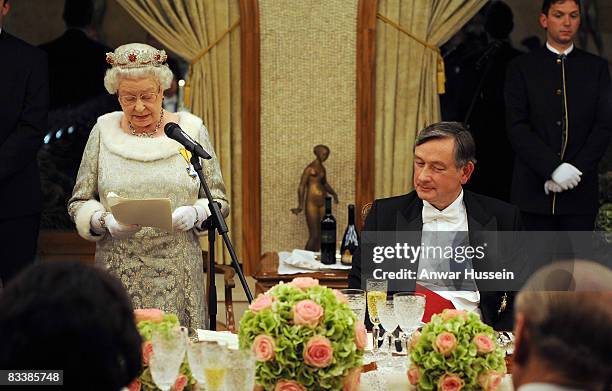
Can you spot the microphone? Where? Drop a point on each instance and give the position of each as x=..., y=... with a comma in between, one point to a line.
x=175, y=132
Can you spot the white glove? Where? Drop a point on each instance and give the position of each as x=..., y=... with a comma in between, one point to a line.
x=566, y=176
x=116, y=229
x=185, y=218
x=552, y=186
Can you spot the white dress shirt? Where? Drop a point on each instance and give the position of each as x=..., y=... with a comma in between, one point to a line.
x=454, y=219
x=566, y=52
x=545, y=387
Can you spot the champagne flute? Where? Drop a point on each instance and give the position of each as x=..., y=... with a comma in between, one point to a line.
x=168, y=355
x=356, y=302
x=376, y=291
x=409, y=309
x=386, y=314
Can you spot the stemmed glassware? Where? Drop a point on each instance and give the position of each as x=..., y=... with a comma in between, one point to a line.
x=386, y=314
x=356, y=302
x=376, y=292
x=168, y=355
x=409, y=309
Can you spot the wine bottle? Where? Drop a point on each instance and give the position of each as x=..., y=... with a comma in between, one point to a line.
x=350, y=240
x=328, y=234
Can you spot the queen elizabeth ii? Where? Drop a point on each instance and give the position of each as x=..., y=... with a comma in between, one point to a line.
x=128, y=154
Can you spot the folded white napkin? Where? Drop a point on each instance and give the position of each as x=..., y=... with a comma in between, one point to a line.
x=231, y=340
x=303, y=261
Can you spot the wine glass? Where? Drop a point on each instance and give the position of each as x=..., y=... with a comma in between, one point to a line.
x=386, y=314
x=241, y=374
x=168, y=355
x=356, y=302
x=409, y=309
x=215, y=362
x=376, y=291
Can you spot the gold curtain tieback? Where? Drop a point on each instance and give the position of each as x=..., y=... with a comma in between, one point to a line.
x=199, y=56
x=441, y=77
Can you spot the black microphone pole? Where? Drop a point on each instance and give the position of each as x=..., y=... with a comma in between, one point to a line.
x=217, y=223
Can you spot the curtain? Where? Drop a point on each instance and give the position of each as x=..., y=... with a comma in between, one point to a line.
x=407, y=80
x=204, y=34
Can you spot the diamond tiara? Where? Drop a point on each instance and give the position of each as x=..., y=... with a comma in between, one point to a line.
x=137, y=58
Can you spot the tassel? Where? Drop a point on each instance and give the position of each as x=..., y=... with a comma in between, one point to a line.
x=441, y=76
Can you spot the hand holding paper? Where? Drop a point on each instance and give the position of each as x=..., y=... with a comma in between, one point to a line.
x=152, y=212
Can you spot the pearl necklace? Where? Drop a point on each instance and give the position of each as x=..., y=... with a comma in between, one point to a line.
x=145, y=133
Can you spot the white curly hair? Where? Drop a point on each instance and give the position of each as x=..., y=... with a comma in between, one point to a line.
x=117, y=73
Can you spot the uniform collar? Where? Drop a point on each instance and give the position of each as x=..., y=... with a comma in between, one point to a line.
x=558, y=53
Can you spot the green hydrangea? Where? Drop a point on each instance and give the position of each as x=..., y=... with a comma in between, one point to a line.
x=464, y=360
x=337, y=325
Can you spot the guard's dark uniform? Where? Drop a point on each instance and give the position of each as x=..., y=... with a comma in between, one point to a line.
x=559, y=109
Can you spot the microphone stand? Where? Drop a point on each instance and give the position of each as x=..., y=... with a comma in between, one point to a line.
x=217, y=222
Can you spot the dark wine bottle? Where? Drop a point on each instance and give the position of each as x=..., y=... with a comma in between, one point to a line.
x=350, y=240
x=328, y=234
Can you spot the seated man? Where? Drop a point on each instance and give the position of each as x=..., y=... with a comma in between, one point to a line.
x=563, y=323
x=71, y=317
x=443, y=163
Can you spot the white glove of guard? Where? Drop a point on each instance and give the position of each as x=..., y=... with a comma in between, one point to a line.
x=566, y=176
x=551, y=186
x=116, y=229
x=184, y=218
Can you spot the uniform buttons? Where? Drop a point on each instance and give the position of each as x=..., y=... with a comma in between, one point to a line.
x=558, y=123
x=558, y=61
x=558, y=92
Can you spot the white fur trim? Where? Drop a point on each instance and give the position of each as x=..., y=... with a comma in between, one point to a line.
x=141, y=148
x=82, y=219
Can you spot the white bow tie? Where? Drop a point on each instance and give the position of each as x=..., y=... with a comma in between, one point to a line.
x=431, y=214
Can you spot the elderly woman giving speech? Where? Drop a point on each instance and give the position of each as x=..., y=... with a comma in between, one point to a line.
x=128, y=154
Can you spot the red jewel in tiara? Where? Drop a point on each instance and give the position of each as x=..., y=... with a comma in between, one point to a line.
x=132, y=57
x=109, y=59
x=157, y=57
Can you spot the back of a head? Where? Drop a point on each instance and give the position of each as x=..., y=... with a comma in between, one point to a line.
x=68, y=316
x=567, y=310
x=78, y=13
x=499, y=20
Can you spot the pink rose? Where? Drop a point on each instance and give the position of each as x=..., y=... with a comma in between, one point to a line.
x=448, y=314
x=263, y=347
x=262, y=302
x=445, y=343
x=304, y=282
x=147, y=352
x=491, y=380
x=352, y=380
x=341, y=297
x=135, y=385
x=318, y=352
x=307, y=313
x=450, y=382
x=484, y=344
x=413, y=375
x=361, y=336
x=180, y=383
x=288, y=385
x=414, y=340
x=153, y=314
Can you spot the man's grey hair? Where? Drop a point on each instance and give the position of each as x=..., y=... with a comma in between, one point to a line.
x=567, y=307
x=465, y=148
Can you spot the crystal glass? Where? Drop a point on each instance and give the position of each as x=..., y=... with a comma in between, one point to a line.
x=208, y=362
x=386, y=314
x=376, y=291
x=241, y=372
x=409, y=309
x=168, y=355
x=356, y=302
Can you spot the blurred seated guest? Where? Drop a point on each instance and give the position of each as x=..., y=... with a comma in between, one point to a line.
x=563, y=323
x=71, y=317
x=75, y=58
x=128, y=154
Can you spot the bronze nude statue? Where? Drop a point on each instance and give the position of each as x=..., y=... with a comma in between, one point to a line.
x=311, y=195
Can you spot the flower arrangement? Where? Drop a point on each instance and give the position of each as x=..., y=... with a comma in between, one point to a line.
x=304, y=337
x=148, y=320
x=455, y=351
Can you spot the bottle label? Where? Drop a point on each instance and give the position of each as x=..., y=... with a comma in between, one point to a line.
x=328, y=237
x=347, y=258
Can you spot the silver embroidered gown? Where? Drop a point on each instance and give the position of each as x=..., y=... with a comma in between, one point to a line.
x=159, y=269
